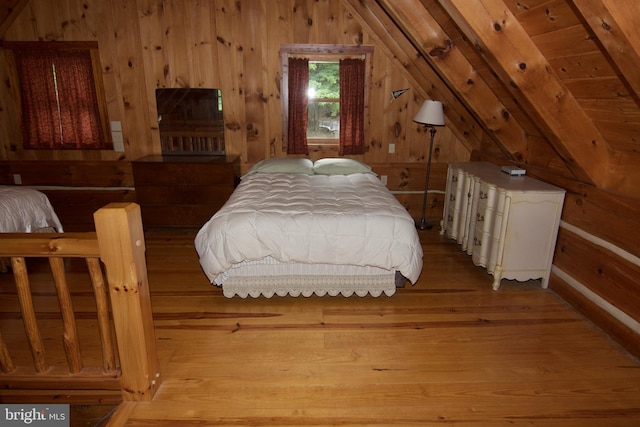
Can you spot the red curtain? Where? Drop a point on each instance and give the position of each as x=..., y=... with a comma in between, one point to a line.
x=79, y=113
x=298, y=84
x=40, y=124
x=352, y=73
x=59, y=101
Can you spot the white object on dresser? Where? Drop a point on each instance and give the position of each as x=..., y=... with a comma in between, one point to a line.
x=508, y=224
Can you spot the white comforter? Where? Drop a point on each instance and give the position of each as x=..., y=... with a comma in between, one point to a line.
x=326, y=219
x=25, y=210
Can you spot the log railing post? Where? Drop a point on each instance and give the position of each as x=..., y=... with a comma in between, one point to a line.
x=122, y=250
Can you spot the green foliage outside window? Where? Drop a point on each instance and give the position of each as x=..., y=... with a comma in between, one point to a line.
x=324, y=77
x=324, y=100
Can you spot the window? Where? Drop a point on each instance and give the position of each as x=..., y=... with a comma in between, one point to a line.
x=61, y=95
x=324, y=92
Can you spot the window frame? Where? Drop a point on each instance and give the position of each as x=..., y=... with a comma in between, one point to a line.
x=98, y=85
x=320, y=52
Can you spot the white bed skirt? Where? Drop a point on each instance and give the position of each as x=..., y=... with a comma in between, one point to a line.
x=268, y=286
x=268, y=277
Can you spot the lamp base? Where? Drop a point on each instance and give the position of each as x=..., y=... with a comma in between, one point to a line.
x=423, y=224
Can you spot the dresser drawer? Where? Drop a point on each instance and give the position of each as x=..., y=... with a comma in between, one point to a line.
x=185, y=194
x=181, y=173
x=455, y=203
x=481, y=247
x=183, y=191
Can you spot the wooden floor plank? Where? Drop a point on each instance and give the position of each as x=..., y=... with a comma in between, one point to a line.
x=446, y=350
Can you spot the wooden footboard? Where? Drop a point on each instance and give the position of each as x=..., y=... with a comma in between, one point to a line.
x=108, y=344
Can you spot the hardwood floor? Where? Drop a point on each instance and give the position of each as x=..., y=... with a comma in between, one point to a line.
x=447, y=350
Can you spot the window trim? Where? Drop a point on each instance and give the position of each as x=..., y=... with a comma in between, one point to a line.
x=92, y=47
x=320, y=52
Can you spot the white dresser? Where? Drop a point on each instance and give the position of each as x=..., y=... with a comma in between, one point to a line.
x=508, y=224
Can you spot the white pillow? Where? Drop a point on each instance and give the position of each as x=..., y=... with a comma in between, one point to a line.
x=282, y=165
x=340, y=166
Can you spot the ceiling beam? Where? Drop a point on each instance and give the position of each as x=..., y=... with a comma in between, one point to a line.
x=427, y=82
x=9, y=11
x=442, y=54
x=509, y=50
x=614, y=23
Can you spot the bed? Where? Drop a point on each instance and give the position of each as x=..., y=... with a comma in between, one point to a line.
x=295, y=227
x=25, y=210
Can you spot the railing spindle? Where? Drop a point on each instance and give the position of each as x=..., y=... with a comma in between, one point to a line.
x=102, y=308
x=6, y=363
x=28, y=314
x=70, y=335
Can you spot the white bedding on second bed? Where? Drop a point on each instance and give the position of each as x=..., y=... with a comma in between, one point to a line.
x=311, y=219
x=25, y=210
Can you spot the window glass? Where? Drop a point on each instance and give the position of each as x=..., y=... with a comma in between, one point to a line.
x=324, y=100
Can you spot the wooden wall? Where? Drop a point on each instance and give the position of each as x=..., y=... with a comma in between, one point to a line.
x=233, y=46
x=224, y=44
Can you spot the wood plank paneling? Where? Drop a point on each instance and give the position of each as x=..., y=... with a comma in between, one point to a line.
x=601, y=271
x=223, y=44
x=619, y=332
x=545, y=18
x=614, y=23
x=9, y=9
x=137, y=94
x=67, y=173
x=604, y=215
x=568, y=128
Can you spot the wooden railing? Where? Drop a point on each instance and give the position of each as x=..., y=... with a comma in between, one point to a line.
x=130, y=362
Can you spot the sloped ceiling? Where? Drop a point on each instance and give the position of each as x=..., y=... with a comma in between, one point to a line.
x=551, y=83
x=9, y=10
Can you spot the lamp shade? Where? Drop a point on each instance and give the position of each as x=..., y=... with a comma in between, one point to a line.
x=431, y=113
